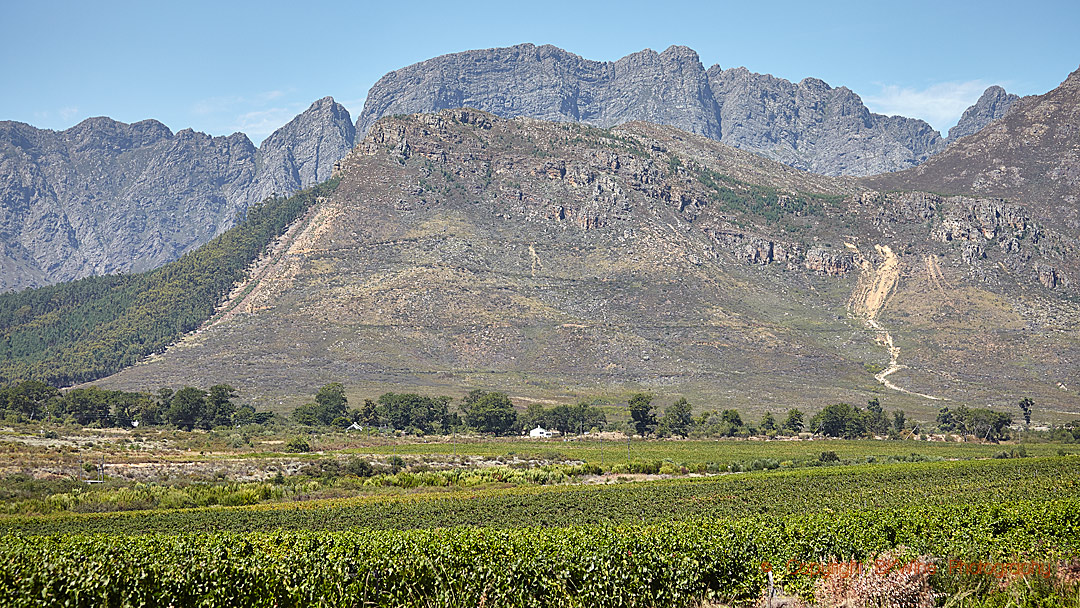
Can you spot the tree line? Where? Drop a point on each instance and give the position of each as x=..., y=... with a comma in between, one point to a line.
x=489, y=412
x=187, y=408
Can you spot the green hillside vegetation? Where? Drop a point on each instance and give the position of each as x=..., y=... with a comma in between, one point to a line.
x=87, y=329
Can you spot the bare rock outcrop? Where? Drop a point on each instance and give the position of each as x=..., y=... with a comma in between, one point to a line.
x=107, y=197
x=808, y=125
x=303, y=152
x=992, y=105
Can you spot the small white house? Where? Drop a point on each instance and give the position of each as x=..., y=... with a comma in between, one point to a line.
x=540, y=431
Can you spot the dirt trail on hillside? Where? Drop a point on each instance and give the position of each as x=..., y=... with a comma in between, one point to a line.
x=536, y=263
x=938, y=280
x=871, y=293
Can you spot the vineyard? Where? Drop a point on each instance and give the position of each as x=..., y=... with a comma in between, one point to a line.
x=677, y=542
x=672, y=564
x=701, y=451
x=781, y=493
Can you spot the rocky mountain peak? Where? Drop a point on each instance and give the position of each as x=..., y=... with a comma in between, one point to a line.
x=1073, y=79
x=106, y=196
x=992, y=105
x=303, y=152
x=680, y=53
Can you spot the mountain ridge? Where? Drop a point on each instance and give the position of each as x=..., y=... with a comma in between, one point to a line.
x=104, y=197
x=808, y=125
x=1031, y=155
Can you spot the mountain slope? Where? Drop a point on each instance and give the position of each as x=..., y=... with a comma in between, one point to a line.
x=808, y=125
x=1031, y=155
x=554, y=260
x=105, y=197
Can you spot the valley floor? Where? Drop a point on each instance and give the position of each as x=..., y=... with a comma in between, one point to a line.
x=471, y=521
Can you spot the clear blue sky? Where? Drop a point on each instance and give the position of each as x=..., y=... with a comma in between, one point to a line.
x=228, y=66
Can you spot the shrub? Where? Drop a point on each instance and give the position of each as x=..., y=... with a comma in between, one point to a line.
x=297, y=445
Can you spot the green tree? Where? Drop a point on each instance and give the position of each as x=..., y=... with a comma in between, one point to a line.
x=731, y=417
x=148, y=411
x=87, y=405
x=369, y=414
x=641, y=413
x=31, y=398
x=678, y=417
x=164, y=398
x=307, y=414
x=1025, y=406
x=988, y=424
x=898, y=420
x=245, y=414
x=768, y=422
x=563, y=418
x=414, y=412
x=219, y=406
x=874, y=420
x=731, y=424
x=129, y=407
x=331, y=401
x=535, y=415
x=187, y=408
x=839, y=420
x=945, y=419
x=794, y=421
x=490, y=412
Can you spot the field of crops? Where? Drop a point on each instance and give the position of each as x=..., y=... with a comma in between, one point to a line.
x=699, y=451
x=672, y=564
x=837, y=489
x=676, y=542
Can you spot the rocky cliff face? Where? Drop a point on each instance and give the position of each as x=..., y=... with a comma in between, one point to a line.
x=812, y=126
x=106, y=197
x=303, y=152
x=808, y=125
x=992, y=105
x=549, y=83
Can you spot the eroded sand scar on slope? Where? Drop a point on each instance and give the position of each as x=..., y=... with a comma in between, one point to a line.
x=274, y=267
x=875, y=285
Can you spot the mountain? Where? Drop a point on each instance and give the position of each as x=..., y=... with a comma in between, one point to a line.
x=105, y=197
x=808, y=125
x=555, y=260
x=303, y=152
x=992, y=105
x=1031, y=155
